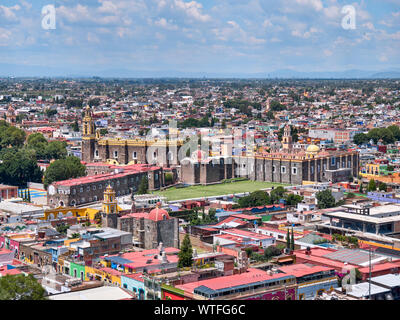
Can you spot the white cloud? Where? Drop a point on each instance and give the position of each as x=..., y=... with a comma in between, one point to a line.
x=192, y=9
x=168, y=25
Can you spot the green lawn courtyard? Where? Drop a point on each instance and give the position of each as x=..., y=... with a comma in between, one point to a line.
x=215, y=190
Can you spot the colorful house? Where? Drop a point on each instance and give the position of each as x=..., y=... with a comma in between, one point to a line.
x=134, y=283
x=311, y=280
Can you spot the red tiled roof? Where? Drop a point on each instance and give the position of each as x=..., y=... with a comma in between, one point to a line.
x=251, y=276
x=101, y=177
x=301, y=270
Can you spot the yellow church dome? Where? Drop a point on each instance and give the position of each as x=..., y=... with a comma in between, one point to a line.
x=313, y=149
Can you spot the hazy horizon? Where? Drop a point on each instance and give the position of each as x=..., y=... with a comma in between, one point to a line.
x=179, y=38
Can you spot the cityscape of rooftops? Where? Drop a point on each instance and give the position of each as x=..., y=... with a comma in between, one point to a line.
x=200, y=150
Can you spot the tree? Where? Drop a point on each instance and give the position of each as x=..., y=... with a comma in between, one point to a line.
x=50, y=112
x=255, y=199
x=56, y=150
x=271, y=251
x=21, y=287
x=325, y=199
x=62, y=228
x=11, y=136
x=144, y=186
x=288, y=239
x=395, y=130
x=371, y=185
x=293, y=199
x=75, y=126
x=360, y=138
x=382, y=186
x=361, y=190
x=46, y=150
x=277, y=194
x=19, y=168
x=64, y=169
x=186, y=253
x=292, y=241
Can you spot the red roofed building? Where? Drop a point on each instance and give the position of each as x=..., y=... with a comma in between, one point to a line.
x=91, y=188
x=253, y=284
x=311, y=280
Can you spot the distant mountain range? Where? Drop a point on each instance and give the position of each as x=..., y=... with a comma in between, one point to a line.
x=8, y=70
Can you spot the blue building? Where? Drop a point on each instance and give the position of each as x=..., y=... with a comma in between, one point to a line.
x=134, y=283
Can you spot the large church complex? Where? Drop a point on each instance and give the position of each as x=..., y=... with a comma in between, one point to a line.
x=284, y=165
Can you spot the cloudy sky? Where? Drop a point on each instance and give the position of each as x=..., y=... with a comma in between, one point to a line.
x=218, y=36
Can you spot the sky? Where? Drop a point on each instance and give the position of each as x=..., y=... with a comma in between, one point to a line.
x=210, y=36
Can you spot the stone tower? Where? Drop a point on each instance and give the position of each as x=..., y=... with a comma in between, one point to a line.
x=88, y=136
x=287, y=138
x=110, y=211
x=10, y=116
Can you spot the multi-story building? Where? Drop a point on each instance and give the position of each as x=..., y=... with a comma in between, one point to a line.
x=89, y=189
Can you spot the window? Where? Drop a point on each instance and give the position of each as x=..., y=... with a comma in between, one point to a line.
x=273, y=169
x=333, y=161
x=312, y=169
x=115, y=154
x=96, y=153
x=294, y=171
x=283, y=169
x=134, y=155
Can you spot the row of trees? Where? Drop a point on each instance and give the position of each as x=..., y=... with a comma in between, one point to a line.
x=261, y=198
x=387, y=135
x=290, y=240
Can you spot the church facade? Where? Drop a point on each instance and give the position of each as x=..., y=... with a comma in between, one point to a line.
x=125, y=151
x=288, y=165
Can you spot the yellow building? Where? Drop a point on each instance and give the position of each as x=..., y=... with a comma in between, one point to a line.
x=109, y=202
x=80, y=213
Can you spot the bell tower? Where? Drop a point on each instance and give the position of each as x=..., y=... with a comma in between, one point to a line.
x=109, y=202
x=110, y=211
x=287, y=138
x=88, y=136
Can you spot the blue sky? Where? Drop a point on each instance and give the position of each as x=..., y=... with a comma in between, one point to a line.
x=215, y=36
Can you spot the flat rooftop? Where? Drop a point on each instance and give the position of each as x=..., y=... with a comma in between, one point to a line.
x=387, y=280
x=362, y=218
x=361, y=290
